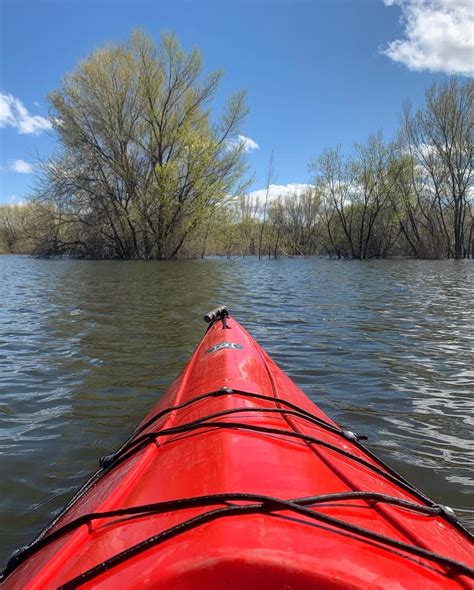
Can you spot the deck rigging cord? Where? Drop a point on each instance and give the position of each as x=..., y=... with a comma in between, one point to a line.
x=129, y=449
x=212, y=499
x=136, y=442
x=268, y=506
x=92, y=480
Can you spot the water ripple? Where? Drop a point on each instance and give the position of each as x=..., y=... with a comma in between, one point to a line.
x=384, y=347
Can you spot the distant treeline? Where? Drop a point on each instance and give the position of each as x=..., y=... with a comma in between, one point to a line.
x=144, y=171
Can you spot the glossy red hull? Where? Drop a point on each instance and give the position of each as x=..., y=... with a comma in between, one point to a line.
x=273, y=444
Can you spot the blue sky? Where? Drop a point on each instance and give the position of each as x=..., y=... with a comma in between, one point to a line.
x=318, y=73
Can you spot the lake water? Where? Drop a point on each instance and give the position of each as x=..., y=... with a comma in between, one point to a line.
x=86, y=348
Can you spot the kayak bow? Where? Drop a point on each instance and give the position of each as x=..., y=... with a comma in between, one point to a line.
x=235, y=480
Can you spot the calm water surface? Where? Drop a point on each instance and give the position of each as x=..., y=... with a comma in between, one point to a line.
x=86, y=348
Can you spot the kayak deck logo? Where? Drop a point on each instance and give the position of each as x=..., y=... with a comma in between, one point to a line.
x=221, y=345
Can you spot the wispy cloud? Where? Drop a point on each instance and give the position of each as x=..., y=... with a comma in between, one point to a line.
x=279, y=190
x=248, y=143
x=14, y=114
x=439, y=36
x=21, y=167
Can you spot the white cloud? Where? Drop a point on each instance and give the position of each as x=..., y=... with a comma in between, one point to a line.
x=19, y=166
x=279, y=190
x=248, y=143
x=439, y=36
x=14, y=114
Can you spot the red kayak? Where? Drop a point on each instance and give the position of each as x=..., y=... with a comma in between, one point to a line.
x=236, y=480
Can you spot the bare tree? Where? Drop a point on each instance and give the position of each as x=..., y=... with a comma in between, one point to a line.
x=333, y=175
x=265, y=205
x=438, y=138
x=298, y=216
x=374, y=174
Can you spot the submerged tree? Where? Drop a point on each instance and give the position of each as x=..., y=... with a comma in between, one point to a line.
x=438, y=138
x=141, y=161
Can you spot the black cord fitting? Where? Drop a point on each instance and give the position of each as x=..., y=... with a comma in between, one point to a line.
x=225, y=390
x=216, y=314
x=349, y=435
x=107, y=460
x=447, y=512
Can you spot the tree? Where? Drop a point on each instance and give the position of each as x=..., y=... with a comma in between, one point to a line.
x=9, y=228
x=247, y=214
x=141, y=162
x=298, y=217
x=333, y=176
x=16, y=222
x=370, y=191
x=438, y=138
x=265, y=205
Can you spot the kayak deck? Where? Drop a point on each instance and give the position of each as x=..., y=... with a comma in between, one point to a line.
x=241, y=450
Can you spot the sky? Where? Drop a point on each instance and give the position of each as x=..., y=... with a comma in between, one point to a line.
x=318, y=73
